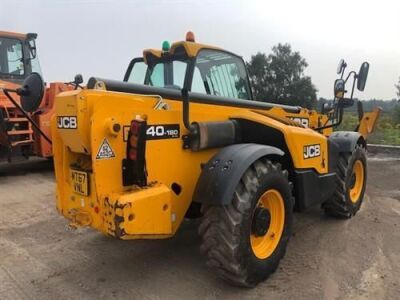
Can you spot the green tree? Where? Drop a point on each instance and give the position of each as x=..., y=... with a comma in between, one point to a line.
x=396, y=114
x=396, y=110
x=279, y=77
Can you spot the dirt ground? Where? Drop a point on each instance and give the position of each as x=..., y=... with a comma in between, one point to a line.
x=326, y=259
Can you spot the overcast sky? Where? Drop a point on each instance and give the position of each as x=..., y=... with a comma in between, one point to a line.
x=99, y=37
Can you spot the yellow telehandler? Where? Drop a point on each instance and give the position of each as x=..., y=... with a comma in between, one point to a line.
x=181, y=136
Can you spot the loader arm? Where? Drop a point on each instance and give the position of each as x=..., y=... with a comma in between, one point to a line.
x=368, y=122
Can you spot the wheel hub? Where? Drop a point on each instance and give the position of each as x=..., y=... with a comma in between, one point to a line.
x=353, y=180
x=261, y=221
x=356, y=181
x=268, y=223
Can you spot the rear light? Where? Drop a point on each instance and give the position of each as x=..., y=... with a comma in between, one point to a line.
x=133, y=143
x=190, y=36
x=135, y=127
x=133, y=140
x=132, y=154
x=134, y=166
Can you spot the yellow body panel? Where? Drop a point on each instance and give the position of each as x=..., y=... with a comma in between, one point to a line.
x=368, y=122
x=296, y=138
x=157, y=210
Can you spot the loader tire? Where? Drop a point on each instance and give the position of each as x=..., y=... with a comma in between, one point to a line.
x=351, y=176
x=245, y=240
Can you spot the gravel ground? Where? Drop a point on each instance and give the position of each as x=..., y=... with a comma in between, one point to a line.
x=326, y=259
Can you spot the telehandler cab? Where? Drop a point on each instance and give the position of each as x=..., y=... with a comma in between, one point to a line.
x=182, y=136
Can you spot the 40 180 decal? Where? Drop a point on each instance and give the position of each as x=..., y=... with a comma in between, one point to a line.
x=158, y=132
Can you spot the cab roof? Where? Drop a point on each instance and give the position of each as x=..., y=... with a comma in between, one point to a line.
x=21, y=36
x=191, y=49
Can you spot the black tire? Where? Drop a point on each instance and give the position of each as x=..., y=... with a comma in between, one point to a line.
x=226, y=230
x=340, y=204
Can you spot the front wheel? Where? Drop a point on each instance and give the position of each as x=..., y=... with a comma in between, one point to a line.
x=245, y=240
x=351, y=178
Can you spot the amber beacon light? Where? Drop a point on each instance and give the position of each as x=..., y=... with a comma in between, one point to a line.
x=190, y=36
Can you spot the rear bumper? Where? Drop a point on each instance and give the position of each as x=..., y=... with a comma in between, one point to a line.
x=138, y=214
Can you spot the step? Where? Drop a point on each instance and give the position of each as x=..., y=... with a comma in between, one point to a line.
x=13, y=120
x=20, y=143
x=18, y=132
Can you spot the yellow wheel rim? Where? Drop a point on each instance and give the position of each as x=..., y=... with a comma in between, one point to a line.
x=357, y=181
x=263, y=246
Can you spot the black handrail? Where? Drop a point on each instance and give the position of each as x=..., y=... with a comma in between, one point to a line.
x=175, y=94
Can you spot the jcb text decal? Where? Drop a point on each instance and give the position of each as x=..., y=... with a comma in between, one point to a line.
x=67, y=122
x=311, y=151
x=301, y=121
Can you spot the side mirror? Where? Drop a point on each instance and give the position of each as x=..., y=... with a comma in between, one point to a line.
x=339, y=88
x=31, y=92
x=362, y=76
x=78, y=79
x=341, y=66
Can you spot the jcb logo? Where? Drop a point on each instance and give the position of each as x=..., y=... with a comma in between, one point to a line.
x=66, y=122
x=311, y=151
x=301, y=121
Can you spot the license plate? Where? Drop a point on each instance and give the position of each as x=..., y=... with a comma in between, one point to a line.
x=80, y=182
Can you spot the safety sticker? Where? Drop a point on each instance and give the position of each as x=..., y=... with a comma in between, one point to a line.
x=105, y=151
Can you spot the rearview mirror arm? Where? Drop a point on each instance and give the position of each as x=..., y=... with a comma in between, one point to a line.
x=360, y=110
x=354, y=84
x=348, y=75
x=354, y=81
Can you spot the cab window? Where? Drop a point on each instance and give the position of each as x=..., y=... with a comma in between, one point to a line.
x=11, y=57
x=157, y=75
x=221, y=74
x=197, y=82
x=167, y=74
x=138, y=72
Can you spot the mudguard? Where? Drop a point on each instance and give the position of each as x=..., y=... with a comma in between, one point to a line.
x=221, y=174
x=346, y=141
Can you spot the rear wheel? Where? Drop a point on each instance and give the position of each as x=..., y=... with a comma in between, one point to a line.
x=245, y=241
x=351, y=176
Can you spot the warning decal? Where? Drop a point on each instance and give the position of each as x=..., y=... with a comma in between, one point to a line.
x=105, y=151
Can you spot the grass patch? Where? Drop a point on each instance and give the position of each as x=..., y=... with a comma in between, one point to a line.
x=387, y=131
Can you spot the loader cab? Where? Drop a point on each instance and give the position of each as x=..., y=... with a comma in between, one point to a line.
x=18, y=58
x=194, y=67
